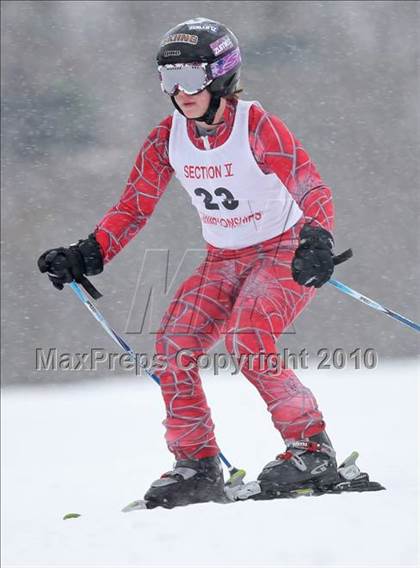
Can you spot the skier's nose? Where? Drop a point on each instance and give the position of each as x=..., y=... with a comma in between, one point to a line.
x=184, y=98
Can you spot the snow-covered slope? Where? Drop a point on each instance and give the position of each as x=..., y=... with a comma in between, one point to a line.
x=91, y=448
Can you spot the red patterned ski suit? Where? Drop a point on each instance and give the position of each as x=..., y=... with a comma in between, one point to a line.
x=246, y=295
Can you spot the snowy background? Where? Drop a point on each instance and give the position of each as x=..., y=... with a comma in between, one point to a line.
x=79, y=95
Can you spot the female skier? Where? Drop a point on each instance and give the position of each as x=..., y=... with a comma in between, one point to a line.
x=267, y=219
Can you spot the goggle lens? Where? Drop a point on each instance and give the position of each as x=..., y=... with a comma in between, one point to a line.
x=188, y=77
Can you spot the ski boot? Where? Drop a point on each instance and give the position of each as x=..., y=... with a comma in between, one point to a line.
x=190, y=481
x=305, y=463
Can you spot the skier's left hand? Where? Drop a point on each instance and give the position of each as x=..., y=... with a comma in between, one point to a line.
x=313, y=263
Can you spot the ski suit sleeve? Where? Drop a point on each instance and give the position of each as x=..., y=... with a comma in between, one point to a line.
x=278, y=151
x=148, y=180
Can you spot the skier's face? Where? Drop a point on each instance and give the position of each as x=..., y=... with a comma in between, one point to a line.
x=193, y=105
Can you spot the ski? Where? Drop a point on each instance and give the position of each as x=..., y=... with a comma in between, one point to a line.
x=260, y=492
x=350, y=479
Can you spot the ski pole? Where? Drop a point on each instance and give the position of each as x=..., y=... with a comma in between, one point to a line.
x=372, y=304
x=236, y=475
x=338, y=259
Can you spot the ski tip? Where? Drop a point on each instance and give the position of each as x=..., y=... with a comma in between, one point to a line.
x=137, y=505
x=375, y=486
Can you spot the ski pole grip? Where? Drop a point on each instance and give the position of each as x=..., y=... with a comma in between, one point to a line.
x=60, y=264
x=339, y=258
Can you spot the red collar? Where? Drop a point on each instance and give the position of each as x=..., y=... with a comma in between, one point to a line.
x=220, y=135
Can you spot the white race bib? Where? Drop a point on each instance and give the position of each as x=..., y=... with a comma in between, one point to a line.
x=237, y=203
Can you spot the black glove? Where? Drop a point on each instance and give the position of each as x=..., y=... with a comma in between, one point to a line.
x=313, y=263
x=64, y=265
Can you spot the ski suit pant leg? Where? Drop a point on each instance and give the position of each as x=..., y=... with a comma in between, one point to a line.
x=191, y=325
x=268, y=302
x=247, y=296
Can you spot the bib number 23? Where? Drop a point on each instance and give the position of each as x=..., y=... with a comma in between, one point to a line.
x=229, y=202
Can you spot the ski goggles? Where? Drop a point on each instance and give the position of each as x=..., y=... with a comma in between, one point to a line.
x=191, y=78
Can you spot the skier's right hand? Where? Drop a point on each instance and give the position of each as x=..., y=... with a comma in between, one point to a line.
x=65, y=264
